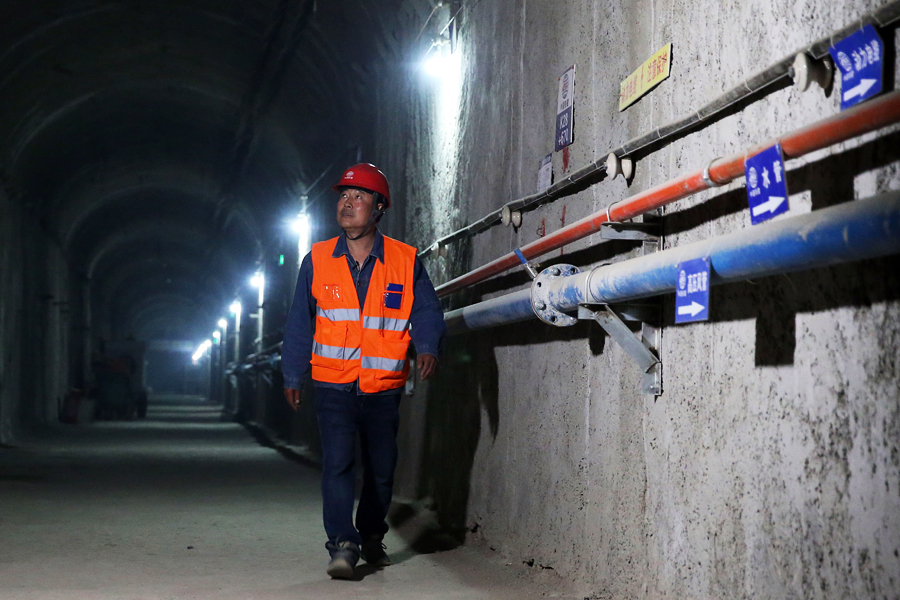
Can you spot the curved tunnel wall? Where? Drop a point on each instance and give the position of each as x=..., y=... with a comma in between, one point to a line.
x=150, y=159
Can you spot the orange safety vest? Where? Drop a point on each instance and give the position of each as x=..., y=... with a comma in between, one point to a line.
x=369, y=344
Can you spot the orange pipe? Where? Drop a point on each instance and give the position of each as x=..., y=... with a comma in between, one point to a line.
x=851, y=123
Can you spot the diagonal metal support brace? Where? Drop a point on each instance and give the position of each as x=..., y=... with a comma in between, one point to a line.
x=641, y=349
x=619, y=331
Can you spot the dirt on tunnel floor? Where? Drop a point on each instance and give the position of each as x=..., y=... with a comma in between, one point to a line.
x=184, y=506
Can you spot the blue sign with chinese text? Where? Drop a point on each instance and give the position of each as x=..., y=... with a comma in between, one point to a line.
x=766, y=187
x=860, y=63
x=565, y=109
x=563, y=129
x=692, y=291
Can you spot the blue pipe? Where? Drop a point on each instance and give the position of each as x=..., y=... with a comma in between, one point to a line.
x=491, y=313
x=847, y=232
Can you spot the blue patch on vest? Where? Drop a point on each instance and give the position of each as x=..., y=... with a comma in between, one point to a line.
x=393, y=298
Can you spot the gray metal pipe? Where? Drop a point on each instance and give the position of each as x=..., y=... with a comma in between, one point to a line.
x=844, y=233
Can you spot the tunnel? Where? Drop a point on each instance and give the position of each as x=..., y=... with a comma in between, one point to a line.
x=660, y=240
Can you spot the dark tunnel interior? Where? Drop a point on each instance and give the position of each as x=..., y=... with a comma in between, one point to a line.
x=564, y=177
x=166, y=149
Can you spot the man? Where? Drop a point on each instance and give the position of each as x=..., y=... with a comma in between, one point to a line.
x=360, y=299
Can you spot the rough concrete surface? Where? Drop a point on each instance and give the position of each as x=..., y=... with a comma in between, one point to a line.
x=183, y=506
x=768, y=467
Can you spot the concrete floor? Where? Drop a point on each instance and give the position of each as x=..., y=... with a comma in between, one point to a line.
x=183, y=506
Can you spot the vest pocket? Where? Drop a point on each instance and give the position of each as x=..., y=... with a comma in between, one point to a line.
x=329, y=348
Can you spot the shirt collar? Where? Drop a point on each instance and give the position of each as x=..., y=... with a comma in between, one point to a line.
x=341, y=249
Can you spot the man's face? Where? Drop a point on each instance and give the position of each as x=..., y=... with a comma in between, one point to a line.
x=354, y=208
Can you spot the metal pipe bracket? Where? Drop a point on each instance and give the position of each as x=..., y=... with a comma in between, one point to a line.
x=642, y=348
x=636, y=232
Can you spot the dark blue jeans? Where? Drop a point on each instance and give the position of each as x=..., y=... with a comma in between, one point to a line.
x=344, y=416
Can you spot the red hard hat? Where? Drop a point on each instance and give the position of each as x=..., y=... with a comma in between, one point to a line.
x=365, y=176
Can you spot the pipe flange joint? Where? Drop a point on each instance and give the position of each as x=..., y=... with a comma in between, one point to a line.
x=540, y=296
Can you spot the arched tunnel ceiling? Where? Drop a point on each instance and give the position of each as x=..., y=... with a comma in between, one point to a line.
x=162, y=142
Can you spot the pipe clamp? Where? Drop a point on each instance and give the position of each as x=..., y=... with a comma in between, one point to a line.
x=707, y=179
x=609, y=206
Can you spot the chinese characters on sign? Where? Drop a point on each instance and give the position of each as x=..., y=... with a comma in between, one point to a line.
x=766, y=186
x=655, y=70
x=545, y=174
x=565, y=109
x=692, y=291
x=859, y=60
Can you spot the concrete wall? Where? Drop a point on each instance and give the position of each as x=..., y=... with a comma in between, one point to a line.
x=35, y=333
x=10, y=316
x=45, y=323
x=770, y=466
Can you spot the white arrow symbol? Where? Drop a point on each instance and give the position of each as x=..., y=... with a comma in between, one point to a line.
x=692, y=310
x=768, y=206
x=860, y=89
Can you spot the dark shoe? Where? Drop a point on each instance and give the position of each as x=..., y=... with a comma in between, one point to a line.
x=344, y=557
x=373, y=552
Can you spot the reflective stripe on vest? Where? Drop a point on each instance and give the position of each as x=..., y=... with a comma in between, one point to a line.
x=366, y=344
x=336, y=352
x=338, y=314
x=385, y=323
x=383, y=364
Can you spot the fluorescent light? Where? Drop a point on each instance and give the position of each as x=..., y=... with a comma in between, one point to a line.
x=301, y=227
x=434, y=64
x=300, y=224
x=442, y=62
x=201, y=350
x=223, y=323
x=235, y=308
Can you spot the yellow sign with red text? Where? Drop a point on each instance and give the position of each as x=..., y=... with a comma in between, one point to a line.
x=653, y=71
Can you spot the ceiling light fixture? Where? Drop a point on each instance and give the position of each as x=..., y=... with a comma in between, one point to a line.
x=301, y=226
x=201, y=350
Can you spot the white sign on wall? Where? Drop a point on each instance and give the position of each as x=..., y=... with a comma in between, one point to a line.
x=545, y=174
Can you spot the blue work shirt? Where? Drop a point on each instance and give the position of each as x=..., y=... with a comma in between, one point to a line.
x=426, y=321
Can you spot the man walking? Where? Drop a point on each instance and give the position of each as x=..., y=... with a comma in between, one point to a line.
x=361, y=298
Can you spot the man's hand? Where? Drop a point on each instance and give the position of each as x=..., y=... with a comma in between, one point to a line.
x=293, y=398
x=426, y=364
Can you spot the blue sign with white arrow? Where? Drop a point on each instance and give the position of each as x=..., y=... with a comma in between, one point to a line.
x=692, y=291
x=860, y=61
x=766, y=186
